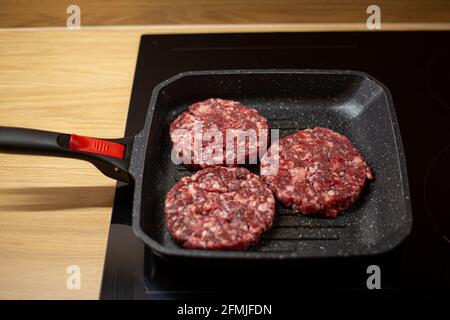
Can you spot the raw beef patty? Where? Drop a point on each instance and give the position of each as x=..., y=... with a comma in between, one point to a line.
x=219, y=208
x=218, y=115
x=320, y=172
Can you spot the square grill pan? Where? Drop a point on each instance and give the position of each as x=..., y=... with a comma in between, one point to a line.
x=350, y=102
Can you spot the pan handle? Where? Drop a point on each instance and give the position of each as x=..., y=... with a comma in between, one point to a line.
x=110, y=156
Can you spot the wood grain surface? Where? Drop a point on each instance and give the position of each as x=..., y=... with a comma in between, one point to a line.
x=56, y=212
x=38, y=13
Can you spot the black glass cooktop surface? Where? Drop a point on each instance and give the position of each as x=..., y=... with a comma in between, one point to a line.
x=413, y=65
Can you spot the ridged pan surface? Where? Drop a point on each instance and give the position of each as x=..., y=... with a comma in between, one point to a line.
x=349, y=102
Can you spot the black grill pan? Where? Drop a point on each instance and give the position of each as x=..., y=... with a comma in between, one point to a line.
x=350, y=102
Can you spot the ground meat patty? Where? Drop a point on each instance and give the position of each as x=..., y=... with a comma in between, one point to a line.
x=218, y=115
x=219, y=208
x=320, y=172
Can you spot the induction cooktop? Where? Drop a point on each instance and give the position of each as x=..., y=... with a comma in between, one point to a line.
x=415, y=66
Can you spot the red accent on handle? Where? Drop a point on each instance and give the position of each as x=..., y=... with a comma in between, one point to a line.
x=97, y=146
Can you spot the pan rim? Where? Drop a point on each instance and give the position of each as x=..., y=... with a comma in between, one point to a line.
x=390, y=241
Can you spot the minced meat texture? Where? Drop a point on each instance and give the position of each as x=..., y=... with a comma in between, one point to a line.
x=219, y=115
x=219, y=208
x=320, y=172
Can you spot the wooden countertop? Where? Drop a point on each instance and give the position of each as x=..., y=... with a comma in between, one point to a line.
x=56, y=212
x=45, y=13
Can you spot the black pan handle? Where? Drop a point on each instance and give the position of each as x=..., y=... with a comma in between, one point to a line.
x=110, y=156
